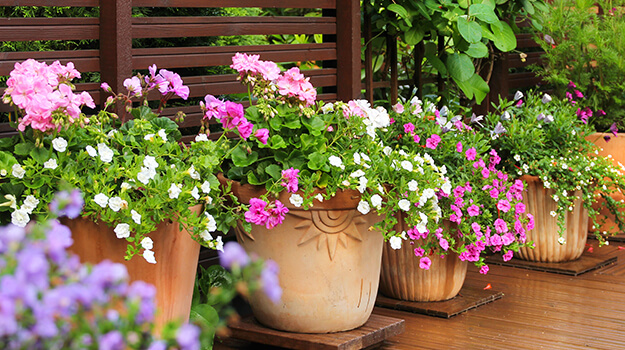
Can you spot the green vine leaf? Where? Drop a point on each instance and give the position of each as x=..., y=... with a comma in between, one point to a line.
x=471, y=31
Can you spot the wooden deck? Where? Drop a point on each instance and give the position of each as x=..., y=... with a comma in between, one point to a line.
x=539, y=310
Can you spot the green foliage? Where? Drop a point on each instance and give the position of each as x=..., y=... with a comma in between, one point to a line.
x=587, y=48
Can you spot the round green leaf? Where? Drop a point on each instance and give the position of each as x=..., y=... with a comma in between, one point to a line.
x=398, y=9
x=471, y=31
x=413, y=36
x=460, y=66
x=484, y=13
x=504, y=38
x=477, y=50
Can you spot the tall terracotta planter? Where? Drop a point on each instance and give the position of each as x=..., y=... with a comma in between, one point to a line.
x=615, y=148
x=329, y=264
x=538, y=202
x=402, y=278
x=173, y=275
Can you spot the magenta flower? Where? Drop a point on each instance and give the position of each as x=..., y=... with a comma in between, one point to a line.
x=416, y=138
x=214, y=107
x=500, y=226
x=519, y=103
x=175, y=84
x=459, y=147
x=408, y=128
x=262, y=135
x=233, y=116
x=476, y=228
x=571, y=85
x=530, y=223
x=398, y=107
x=471, y=153
x=484, y=269
x=290, y=176
x=519, y=208
x=257, y=214
x=245, y=128
x=419, y=251
x=473, y=210
x=276, y=214
x=503, y=205
x=508, y=255
x=579, y=94
x=614, y=129
x=584, y=114
x=433, y=141
x=443, y=243
x=425, y=263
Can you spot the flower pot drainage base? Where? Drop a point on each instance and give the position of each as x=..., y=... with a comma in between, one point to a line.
x=587, y=262
x=377, y=329
x=468, y=298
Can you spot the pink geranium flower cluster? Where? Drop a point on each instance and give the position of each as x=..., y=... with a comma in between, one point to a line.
x=44, y=95
x=292, y=86
x=290, y=181
x=263, y=213
x=232, y=117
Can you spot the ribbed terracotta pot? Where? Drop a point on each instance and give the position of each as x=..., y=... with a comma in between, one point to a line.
x=538, y=201
x=173, y=275
x=402, y=278
x=616, y=149
x=329, y=264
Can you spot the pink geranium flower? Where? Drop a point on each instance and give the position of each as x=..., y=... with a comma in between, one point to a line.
x=290, y=179
x=262, y=135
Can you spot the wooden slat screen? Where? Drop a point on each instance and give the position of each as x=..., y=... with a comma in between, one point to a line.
x=337, y=58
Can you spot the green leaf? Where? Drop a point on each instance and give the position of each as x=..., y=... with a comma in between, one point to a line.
x=471, y=31
x=400, y=11
x=7, y=161
x=241, y=158
x=484, y=13
x=527, y=5
x=277, y=142
x=208, y=319
x=480, y=87
x=143, y=112
x=40, y=155
x=504, y=38
x=414, y=35
x=274, y=171
x=23, y=149
x=489, y=3
x=477, y=50
x=293, y=124
x=252, y=179
x=315, y=125
x=460, y=66
x=316, y=161
x=431, y=54
x=466, y=88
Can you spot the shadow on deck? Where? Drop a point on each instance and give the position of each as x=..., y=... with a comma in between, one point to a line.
x=539, y=310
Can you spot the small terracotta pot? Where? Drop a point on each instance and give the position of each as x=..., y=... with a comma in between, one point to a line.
x=403, y=279
x=538, y=201
x=615, y=148
x=329, y=263
x=173, y=275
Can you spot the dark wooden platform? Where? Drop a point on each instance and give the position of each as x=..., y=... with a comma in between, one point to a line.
x=468, y=298
x=376, y=330
x=540, y=310
x=587, y=262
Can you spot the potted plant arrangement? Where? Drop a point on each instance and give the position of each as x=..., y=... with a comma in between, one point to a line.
x=583, y=44
x=481, y=212
x=141, y=187
x=320, y=170
x=542, y=141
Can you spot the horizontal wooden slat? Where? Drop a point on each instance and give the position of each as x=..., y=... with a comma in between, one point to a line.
x=222, y=55
x=26, y=29
x=77, y=3
x=162, y=27
x=84, y=60
x=236, y=3
x=526, y=41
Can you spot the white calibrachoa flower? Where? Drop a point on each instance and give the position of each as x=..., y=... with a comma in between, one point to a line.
x=195, y=193
x=357, y=158
x=206, y=236
x=376, y=201
x=150, y=162
x=363, y=207
x=3, y=172
x=122, y=231
x=387, y=150
x=148, y=255
x=18, y=171
x=20, y=218
x=219, y=245
x=362, y=184
x=30, y=203
x=206, y=187
x=149, y=137
x=12, y=201
x=296, y=200
x=195, y=175
x=446, y=187
x=111, y=133
x=106, y=154
x=147, y=243
x=91, y=151
x=101, y=199
x=162, y=134
x=136, y=217
x=117, y=203
x=517, y=157
x=319, y=197
x=174, y=191
x=327, y=108
x=146, y=174
x=357, y=173
x=561, y=240
x=395, y=242
x=407, y=165
x=59, y=144
x=413, y=185
x=553, y=213
x=429, y=193
x=211, y=225
x=125, y=186
x=404, y=204
x=336, y=161
x=345, y=183
x=201, y=138
x=50, y=164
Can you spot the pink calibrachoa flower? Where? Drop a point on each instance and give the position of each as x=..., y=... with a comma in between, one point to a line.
x=473, y=210
x=425, y=263
x=508, y=255
x=416, y=138
x=519, y=103
x=398, y=108
x=471, y=153
x=257, y=213
x=433, y=141
x=519, y=208
x=503, y=205
x=290, y=176
x=443, y=243
x=262, y=135
x=484, y=269
x=408, y=128
x=578, y=94
x=530, y=223
x=419, y=251
x=500, y=226
x=571, y=85
x=459, y=147
x=584, y=114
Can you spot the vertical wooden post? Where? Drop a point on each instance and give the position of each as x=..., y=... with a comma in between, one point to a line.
x=348, y=49
x=368, y=35
x=115, y=42
x=391, y=49
x=418, y=52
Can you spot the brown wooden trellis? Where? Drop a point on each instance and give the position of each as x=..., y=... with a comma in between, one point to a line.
x=339, y=54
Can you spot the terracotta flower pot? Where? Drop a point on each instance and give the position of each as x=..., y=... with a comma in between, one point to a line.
x=329, y=264
x=403, y=279
x=616, y=148
x=173, y=275
x=539, y=202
